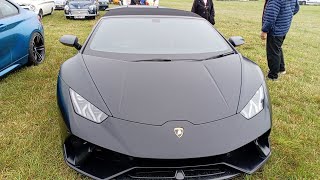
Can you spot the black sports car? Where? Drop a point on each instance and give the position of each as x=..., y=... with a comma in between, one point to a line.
x=167, y=98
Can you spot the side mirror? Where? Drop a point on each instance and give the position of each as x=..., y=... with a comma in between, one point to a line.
x=236, y=41
x=70, y=40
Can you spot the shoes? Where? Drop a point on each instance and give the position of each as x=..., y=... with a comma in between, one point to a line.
x=271, y=79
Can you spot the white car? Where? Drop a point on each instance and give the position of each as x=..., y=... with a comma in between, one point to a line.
x=41, y=7
x=309, y=2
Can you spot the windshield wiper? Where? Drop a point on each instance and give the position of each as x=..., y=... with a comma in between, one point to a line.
x=169, y=60
x=154, y=60
x=218, y=56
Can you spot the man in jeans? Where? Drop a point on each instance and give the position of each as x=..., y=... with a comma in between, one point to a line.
x=276, y=21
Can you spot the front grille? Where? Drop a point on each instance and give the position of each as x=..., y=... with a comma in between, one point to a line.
x=155, y=173
x=197, y=172
x=204, y=171
x=79, y=12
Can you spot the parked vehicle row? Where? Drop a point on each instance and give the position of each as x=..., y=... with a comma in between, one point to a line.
x=74, y=9
x=41, y=7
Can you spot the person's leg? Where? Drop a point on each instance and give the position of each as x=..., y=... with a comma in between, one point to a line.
x=274, y=54
x=272, y=57
x=282, y=65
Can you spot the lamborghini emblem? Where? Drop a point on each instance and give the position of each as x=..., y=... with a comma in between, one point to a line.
x=178, y=131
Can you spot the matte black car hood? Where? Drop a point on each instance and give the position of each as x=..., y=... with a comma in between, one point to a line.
x=157, y=92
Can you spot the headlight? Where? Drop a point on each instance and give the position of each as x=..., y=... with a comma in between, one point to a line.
x=66, y=7
x=85, y=109
x=92, y=7
x=32, y=7
x=255, y=105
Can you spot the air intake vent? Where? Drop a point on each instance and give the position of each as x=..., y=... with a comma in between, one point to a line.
x=184, y=173
x=203, y=172
x=152, y=173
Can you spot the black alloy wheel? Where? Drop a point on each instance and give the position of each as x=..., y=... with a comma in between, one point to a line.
x=36, y=49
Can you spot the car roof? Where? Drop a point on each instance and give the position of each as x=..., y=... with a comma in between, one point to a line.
x=148, y=10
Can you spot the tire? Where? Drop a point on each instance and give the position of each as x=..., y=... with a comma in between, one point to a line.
x=36, y=49
x=68, y=17
x=40, y=13
x=51, y=11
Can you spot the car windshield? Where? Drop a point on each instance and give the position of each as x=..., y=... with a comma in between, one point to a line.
x=157, y=35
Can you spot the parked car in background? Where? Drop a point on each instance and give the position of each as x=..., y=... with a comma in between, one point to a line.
x=103, y=4
x=41, y=7
x=59, y=4
x=21, y=37
x=309, y=2
x=81, y=9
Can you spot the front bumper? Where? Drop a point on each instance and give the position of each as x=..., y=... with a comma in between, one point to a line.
x=100, y=163
x=80, y=13
x=122, y=149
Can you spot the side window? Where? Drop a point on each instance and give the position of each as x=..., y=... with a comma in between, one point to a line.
x=7, y=9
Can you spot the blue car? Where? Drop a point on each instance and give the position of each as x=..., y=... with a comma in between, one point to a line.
x=21, y=37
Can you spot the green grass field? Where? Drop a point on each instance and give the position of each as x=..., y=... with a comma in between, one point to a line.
x=29, y=132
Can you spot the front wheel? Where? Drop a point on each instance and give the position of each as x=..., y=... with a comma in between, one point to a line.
x=36, y=49
x=51, y=12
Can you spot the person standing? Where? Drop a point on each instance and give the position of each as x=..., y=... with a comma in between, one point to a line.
x=276, y=21
x=205, y=9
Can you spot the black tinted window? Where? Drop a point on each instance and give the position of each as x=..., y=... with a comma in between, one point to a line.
x=7, y=9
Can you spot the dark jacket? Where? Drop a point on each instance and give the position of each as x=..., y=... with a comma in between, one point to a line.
x=277, y=16
x=205, y=11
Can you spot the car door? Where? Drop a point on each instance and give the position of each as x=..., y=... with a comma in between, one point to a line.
x=49, y=4
x=8, y=38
